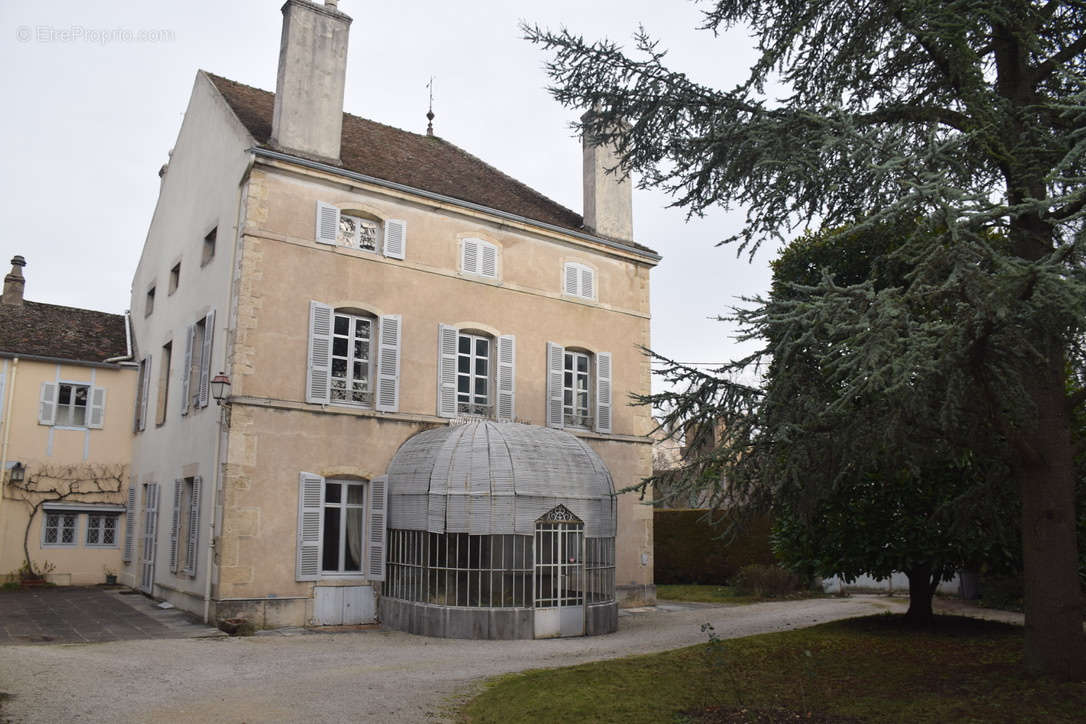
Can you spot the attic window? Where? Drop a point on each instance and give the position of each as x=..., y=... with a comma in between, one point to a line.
x=358, y=233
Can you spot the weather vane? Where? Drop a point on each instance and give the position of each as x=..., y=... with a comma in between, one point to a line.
x=430, y=111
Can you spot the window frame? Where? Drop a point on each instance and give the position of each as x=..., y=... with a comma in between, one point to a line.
x=69, y=425
x=62, y=517
x=103, y=517
x=570, y=416
x=344, y=507
x=355, y=242
x=473, y=407
x=353, y=318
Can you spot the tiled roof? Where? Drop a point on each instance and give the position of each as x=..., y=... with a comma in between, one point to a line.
x=423, y=162
x=50, y=330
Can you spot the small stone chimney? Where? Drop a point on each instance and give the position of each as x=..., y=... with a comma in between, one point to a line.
x=14, y=283
x=608, y=195
x=308, y=115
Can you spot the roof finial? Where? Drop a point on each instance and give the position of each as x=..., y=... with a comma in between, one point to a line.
x=430, y=111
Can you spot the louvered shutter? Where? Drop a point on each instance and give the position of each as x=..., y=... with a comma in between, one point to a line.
x=388, y=363
x=378, y=510
x=555, y=358
x=469, y=256
x=129, y=525
x=327, y=223
x=96, y=412
x=194, y=527
x=395, y=238
x=144, y=390
x=588, y=283
x=507, y=360
x=186, y=370
x=603, y=392
x=489, y=260
x=47, y=409
x=570, y=280
x=205, y=358
x=2, y=406
x=319, y=366
x=310, y=526
x=446, y=372
x=175, y=522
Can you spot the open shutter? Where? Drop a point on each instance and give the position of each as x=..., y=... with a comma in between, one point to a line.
x=507, y=360
x=446, y=372
x=555, y=357
x=186, y=370
x=489, y=260
x=603, y=392
x=378, y=509
x=194, y=527
x=327, y=223
x=469, y=256
x=47, y=410
x=570, y=279
x=175, y=521
x=129, y=525
x=310, y=499
x=319, y=368
x=96, y=413
x=144, y=390
x=588, y=283
x=388, y=363
x=395, y=238
x=205, y=358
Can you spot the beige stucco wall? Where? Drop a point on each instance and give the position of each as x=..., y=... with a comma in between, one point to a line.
x=81, y=452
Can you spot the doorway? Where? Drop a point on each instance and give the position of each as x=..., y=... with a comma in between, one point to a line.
x=559, y=575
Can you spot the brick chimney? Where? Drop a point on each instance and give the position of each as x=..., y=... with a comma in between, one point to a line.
x=14, y=283
x=308, y=115
x=608, y=195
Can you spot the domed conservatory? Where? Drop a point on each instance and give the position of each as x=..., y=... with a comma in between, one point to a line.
x=499, y=531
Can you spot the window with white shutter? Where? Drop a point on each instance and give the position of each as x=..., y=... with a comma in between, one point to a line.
x=555, y=362
x=395, y=238
x=446, y=375
x=129, y=526
x=194, y=486
x=204, y=396
x=388, y=363
x=375, y=524
x=603, y=392
x=327, y=223
x=479, y=257
x=507, y=360
x=142, y=391
x=47, y=406
x=319, y=364
x=310, y=503
x=186, y=370
x=578, y=280
x=175, y=522
x=96, y=415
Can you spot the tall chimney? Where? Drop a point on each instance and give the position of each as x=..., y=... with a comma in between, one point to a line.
x=308, y=116
x=14, y=283
x=608, y=195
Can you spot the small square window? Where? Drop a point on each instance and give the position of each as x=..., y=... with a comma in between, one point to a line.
x=175, y=277
x=149, y=305
x=209, y=247
x=71, y=405
x=59, y=529
x=102, y=530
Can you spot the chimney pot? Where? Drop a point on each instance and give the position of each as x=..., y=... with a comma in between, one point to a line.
x=14, y=282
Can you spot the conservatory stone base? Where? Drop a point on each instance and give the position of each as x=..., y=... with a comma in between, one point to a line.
x=456, y=622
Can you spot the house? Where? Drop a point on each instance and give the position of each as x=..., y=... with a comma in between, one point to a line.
x=66, y=398
x=382, y=303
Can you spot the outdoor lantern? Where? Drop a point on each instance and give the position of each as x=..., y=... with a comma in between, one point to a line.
x=220, y=388
x=18, y=472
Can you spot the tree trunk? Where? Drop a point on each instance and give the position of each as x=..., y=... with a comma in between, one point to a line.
x=1055, y=644
x=921, y=590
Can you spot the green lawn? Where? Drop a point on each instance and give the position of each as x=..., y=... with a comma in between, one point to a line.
x=719, y=594
x=868, y=669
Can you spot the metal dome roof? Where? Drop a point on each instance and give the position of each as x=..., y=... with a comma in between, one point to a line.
x=485, y=478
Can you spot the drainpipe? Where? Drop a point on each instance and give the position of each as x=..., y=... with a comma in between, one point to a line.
x=127, y=340
x=9, y=407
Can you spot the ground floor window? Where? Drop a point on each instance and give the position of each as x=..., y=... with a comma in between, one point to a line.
x=60, y=529
x=102, y=529
x=343, y=511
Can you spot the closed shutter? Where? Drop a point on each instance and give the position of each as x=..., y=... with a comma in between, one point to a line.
x=175, y=521
x=555, y=358
x=205, y=358
x=2, y=382
x=388, y=363
x=129, y=525
x=378, y=509
x=507, y=360
x=47, y=409
x=446, y=372
x=395, y=238
x=603, y=392
x=319, y=366
x=144, y=390
x=327, y=223
x=96, y=414
x=488, y=266
x=469, y=256
x=186, y=370
x=588, y=283
x=310, y=499
x=194, y=527
x=570, y=280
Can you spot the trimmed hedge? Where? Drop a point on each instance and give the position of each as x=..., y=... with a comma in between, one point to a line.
x=688, y=549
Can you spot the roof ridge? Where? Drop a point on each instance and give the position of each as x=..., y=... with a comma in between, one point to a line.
x=73, y=309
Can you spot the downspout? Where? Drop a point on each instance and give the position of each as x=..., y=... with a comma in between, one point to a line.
x=8, y=405
x=127, y=340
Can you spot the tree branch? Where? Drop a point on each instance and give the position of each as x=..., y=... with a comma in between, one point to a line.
x=1049, y=66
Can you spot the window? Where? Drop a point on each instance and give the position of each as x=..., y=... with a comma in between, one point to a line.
x=357, y=231
x=102, y=530
x=474, y=379
x=196, y=373
x=353, y=358
x=473, y=374
x=59, y=529
x=208, y=251
x=578, y=388
x=149, y=304
x=198, y=335
x=72, y=404
x=351, y=338
x=578, y=280
x=175, y=278
x=142, y=388
x=479, y=257
x=185, y=525
x=575, y=390
x=342, y=512
x=163, y=383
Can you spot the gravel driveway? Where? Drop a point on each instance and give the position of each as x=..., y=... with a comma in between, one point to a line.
x=356, y=676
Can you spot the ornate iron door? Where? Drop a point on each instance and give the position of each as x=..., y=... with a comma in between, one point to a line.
x=559, y=574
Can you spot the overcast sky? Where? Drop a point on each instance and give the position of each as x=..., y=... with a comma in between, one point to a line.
x=96, y=91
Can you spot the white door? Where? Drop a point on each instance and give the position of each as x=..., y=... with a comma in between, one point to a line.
x=150, y=531
x=559, y=575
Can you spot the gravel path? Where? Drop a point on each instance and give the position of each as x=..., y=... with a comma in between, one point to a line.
x=357, y=676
